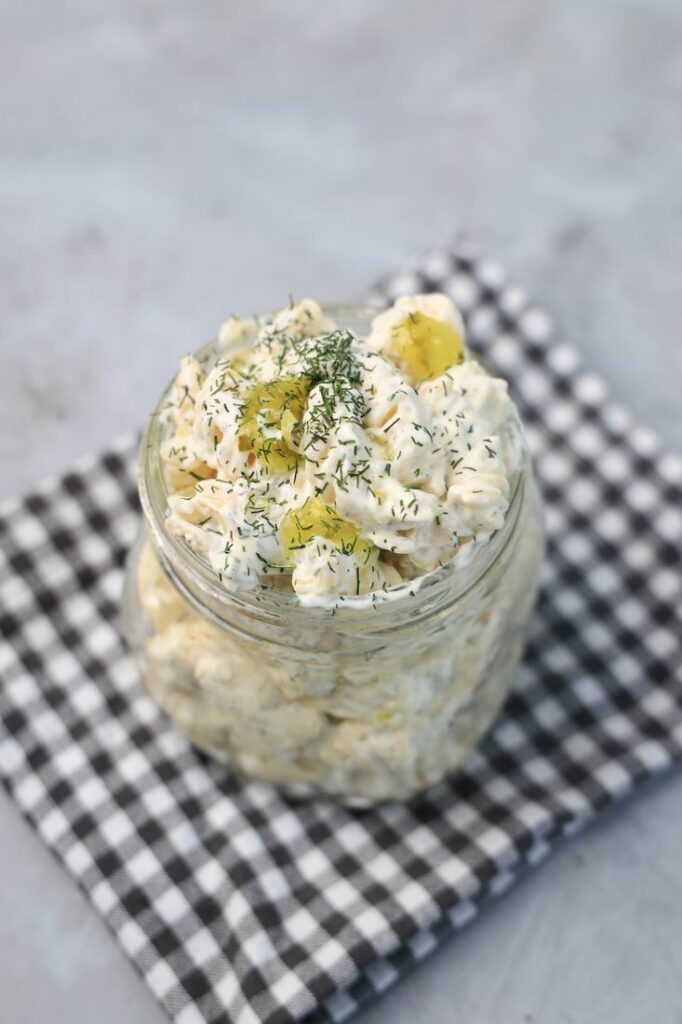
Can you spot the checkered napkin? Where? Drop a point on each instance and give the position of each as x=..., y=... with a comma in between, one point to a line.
x=237, y=905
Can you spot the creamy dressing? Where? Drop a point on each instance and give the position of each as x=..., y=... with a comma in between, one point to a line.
x=337, y=465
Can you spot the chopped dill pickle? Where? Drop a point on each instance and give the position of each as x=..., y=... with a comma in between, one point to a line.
x=317, y=519
x=273, y=406
x=425, y=348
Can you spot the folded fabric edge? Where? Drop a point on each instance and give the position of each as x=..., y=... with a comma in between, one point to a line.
x=119, y=445
x=386, y=972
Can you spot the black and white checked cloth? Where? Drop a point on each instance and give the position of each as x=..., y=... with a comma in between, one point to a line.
x=238, y=906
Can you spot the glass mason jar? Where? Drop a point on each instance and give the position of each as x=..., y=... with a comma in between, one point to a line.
x=373, y=700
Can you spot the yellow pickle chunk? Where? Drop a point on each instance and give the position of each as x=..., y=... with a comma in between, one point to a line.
x=315, y=518
x=271, y=417
x=425, y=347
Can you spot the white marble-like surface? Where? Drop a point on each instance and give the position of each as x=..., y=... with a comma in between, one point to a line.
x=164, y=163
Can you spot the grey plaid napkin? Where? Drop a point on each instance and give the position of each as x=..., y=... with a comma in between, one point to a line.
x=239, y=906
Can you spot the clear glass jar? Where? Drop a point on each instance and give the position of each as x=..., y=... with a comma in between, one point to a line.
x=371, y=701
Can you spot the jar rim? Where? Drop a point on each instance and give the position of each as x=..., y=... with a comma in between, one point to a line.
x=423, y=595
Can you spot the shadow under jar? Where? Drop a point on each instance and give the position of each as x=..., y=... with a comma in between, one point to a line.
x=369, y=701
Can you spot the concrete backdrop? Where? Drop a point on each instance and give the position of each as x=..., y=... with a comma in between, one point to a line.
x=164, y=163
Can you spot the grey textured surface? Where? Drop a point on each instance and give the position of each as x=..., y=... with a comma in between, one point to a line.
x=165, y=163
